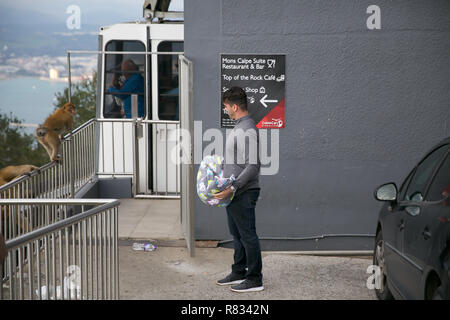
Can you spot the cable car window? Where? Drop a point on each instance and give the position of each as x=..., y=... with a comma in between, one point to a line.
x=168, y=91
x=124, y=76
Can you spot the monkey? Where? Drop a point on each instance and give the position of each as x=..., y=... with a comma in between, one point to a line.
x=9, y=173
x=49, y=134
x=51, y=141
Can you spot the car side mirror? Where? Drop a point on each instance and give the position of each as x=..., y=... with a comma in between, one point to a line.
x=386, y=192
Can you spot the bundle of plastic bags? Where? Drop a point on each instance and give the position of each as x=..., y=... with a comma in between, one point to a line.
x=210, y=180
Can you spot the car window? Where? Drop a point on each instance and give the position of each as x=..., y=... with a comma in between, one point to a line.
x=402, y=190
x=440, y=186
x=422, y=174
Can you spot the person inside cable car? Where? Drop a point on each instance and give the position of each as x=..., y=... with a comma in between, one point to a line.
x=131, y=82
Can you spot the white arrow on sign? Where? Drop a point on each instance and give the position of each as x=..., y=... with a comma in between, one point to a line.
x=263, y=101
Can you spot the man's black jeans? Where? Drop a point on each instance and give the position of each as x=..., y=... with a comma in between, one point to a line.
x=241, y=222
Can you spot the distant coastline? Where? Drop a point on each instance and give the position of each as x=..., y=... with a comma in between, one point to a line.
x=74, y=79
x=65, y=80
x=29, y=99
x=46, y=67
x=54, y=80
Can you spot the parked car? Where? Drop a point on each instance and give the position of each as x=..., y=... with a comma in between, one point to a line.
x=412, y=246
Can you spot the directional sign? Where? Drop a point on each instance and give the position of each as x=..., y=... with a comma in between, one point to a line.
x=263, y=78
x=264, y=100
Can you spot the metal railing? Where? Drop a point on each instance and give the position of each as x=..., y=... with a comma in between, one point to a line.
x=69, y=257
x=166, y=162
x=54, y=180
x=127, y=149
x=57, y=180
x=120, y=151
x=83, y=161
x=115, y=145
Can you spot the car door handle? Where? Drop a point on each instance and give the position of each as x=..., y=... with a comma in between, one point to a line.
x=401, y=226
x=426, y=234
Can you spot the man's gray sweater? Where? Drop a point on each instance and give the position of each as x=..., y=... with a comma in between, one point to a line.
x=242, y=155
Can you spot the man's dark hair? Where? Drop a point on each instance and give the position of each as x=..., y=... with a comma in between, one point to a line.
x=235, y=95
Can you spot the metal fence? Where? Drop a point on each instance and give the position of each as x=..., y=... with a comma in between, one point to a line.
x=54, y=180
x=60, y=180
x=127, y=148
x=74, y=258
x=123, y=147
x=107, y=148
x=164, y=179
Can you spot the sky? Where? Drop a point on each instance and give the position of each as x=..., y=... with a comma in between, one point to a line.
x=93, y=12
x=41, y=27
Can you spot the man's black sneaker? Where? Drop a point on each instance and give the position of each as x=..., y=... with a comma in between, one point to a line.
x=247, y=286
x=232, y=278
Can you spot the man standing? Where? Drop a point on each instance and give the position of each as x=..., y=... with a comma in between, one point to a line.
x=242, y=161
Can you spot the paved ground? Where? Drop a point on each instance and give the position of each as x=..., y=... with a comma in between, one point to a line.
x=169, y=273
x=149, y=219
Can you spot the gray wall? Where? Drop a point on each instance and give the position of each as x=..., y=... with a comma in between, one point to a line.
x=362, y=106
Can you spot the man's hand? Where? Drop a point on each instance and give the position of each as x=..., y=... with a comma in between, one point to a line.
x=115, y=83
x=223, y=194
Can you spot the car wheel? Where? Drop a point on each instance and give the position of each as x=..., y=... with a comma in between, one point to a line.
x=383, y=292
x=437, y=294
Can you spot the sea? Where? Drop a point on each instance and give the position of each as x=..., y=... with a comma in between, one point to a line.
x=29, y=99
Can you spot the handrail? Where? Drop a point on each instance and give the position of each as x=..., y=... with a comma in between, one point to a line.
x=123, y=52
x=80, y=128
x=55, y=179
x=87, y=202
x=65, y=257
x=47, y=165
x=140, y=119
x=59, y=225
x=26, y=176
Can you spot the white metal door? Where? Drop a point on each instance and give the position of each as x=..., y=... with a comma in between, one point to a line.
x=165, y=177
x=116, y=136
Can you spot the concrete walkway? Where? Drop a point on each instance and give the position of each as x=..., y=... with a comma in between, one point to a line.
x=169, y=272
x=149, y=219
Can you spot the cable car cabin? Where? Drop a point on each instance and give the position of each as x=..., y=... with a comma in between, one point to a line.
x=143, y=87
